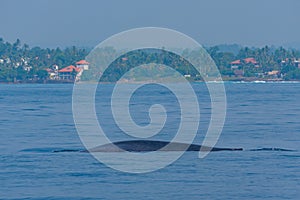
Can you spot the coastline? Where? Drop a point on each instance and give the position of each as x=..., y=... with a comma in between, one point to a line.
x=225, y=79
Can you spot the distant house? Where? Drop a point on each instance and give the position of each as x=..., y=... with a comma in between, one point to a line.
x=250, y=60
x=69, y=72
x=27, y=68
x=284, y=62
x=273, y=73
x=289, y=61
x=238, y=63
x=83, y=64
x=53, y=72
x=297, y=63
x=238, y=72
x=235, y=64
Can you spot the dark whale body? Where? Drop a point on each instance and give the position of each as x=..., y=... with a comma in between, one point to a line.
x=152, y=145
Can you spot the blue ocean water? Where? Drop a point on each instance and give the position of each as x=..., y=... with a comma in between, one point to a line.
x=37, y=120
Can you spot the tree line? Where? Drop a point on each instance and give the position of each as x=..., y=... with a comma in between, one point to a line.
x=280, y=59
x=19, y=62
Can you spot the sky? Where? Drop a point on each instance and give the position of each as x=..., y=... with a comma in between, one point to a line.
x=85, y=23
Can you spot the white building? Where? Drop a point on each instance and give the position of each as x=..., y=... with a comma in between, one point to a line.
x=83, y=64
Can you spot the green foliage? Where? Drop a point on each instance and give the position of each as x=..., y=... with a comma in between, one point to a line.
x=268, y=58
x=293, y=75
x=22, y=63
x=147, y=57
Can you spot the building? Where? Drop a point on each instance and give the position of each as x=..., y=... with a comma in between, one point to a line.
x=297, y=63
x=250, y=61
x=83, y=64
x=69, y=72
x=238, y=73
x=273, y=73
x=27, y=68
x=53, y=72
x=235, y=64
x=238, y=63
x=289, y=62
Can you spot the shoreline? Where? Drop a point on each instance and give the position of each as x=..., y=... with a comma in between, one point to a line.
x=237, y=80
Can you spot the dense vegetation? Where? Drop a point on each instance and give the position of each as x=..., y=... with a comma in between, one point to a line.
x=151, y=64
x=20, y=63
x=285, y=61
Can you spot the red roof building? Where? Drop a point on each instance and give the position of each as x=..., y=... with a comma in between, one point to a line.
x=67, y=72
x=250, y=60
x=69, y=69
x=236, y=62
x=82, y=62
x=246, y=60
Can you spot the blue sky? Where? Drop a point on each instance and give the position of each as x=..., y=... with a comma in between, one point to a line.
x=51, y=23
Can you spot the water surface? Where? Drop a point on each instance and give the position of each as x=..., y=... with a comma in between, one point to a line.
x=37, y=119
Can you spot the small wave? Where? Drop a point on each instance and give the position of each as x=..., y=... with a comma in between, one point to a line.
x=291, y=156
x=271, y=149
x=67, y=150
x=52, y=198
x=51, y=150
x=30, y=109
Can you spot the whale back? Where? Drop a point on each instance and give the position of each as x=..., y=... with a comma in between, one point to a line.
x=150, y=145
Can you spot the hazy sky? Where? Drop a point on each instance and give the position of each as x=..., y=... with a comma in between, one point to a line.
x=51, y=23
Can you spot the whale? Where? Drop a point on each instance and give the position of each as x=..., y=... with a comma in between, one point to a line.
x=148, y=146
x=154, y=145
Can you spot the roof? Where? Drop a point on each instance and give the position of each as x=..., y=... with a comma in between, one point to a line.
x=274, y=72
x=247, y=60
x=250, y=60
x=69, y=69
x=82, y=62
x=236, y=62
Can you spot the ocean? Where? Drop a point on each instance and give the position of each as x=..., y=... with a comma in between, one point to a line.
x=41, y=158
